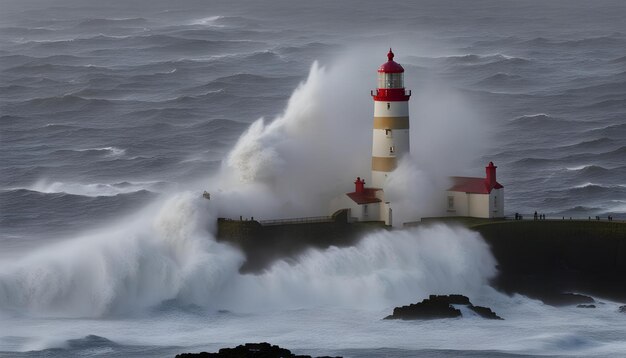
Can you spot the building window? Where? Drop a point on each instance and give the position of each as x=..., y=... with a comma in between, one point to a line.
x=365, y=210
x=388, y=133
x=495, y=201
x=450, y=202
x=392, y=149
x=388, y=105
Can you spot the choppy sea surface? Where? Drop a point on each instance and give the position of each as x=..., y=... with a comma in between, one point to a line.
x=112, y=113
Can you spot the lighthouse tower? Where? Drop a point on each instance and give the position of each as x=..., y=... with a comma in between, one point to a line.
x=390, y=142
x=391, y=120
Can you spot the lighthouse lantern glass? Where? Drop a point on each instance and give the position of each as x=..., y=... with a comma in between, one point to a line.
x=390, y=80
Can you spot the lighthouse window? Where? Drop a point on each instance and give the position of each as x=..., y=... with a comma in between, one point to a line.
x=390, y=80
x=365, y=210
x=392, y=149
x=495, y=201
x=388, y=105
x=450, y=202
x=388, y=133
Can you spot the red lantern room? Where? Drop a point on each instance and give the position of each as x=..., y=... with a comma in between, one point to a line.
x=391, y=82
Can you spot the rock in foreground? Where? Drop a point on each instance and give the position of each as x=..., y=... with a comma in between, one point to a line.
x=249, y=350
x=436, y=307
x=565, y=299
x=586, y=306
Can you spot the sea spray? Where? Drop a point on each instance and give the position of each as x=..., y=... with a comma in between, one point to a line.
x=305, y=156
x=385, y=268
x=144, y=264
x=291, y=166
x=313, y=151
x=163, y=253
x=413, y=192
x=449, y=132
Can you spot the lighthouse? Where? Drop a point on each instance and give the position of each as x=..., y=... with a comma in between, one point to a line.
x=390, y=140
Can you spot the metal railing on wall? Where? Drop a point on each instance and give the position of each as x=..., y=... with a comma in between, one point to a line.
x=540, y=217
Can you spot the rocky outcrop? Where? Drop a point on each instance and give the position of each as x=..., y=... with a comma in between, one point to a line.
x=566, y=299
x=248, y=350
x=586, y=306
x=622, y=309
x=436, y=307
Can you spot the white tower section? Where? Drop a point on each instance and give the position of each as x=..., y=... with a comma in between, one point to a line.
x=391, y=121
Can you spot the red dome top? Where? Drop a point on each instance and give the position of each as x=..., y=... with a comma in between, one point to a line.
x=390, y=66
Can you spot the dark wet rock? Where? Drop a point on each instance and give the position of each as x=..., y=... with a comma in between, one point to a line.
x=586, y=306
x=90, y=341
x=432, y=308
x=567, y=299
x=248, y=350
x=622, y=309
x=435, y=307
x=452, y=299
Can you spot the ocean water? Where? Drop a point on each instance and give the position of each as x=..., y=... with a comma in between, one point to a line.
x=114, y=117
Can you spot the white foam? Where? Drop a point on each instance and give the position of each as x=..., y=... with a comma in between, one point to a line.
x=166, y=253
x=95, y=189
x=207, y=21
x=158, y=255
x=579, y=167
x=111, y=151
x=385, y=268
x=585, y=185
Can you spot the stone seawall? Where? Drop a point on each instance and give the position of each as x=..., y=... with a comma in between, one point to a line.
x=264, y=244
x=541, y=259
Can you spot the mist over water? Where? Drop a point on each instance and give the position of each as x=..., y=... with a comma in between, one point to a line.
x=166, y=256
x=114, y=120
x=166, y=252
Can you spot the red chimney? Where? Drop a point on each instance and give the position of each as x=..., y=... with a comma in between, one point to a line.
x=491, y=175
x=359, y=185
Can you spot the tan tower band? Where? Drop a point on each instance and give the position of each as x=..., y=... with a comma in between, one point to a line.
x=391, y=122
x=384, y=164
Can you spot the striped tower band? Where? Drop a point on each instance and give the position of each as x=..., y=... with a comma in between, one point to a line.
x=390, y=138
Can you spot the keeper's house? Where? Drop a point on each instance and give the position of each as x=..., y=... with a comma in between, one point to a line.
x=476, y=197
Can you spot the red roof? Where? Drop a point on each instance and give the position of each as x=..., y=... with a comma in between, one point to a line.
x=390, y=66
x=368, y=196
x=473, y=185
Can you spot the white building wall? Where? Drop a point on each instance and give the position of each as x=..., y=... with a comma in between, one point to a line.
x=479, y=205
x=476, y=205
x=460, y=204
x=357, y=212
x=496, y=203
x=385, y=213
x=385, y=209
x=370, y=212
